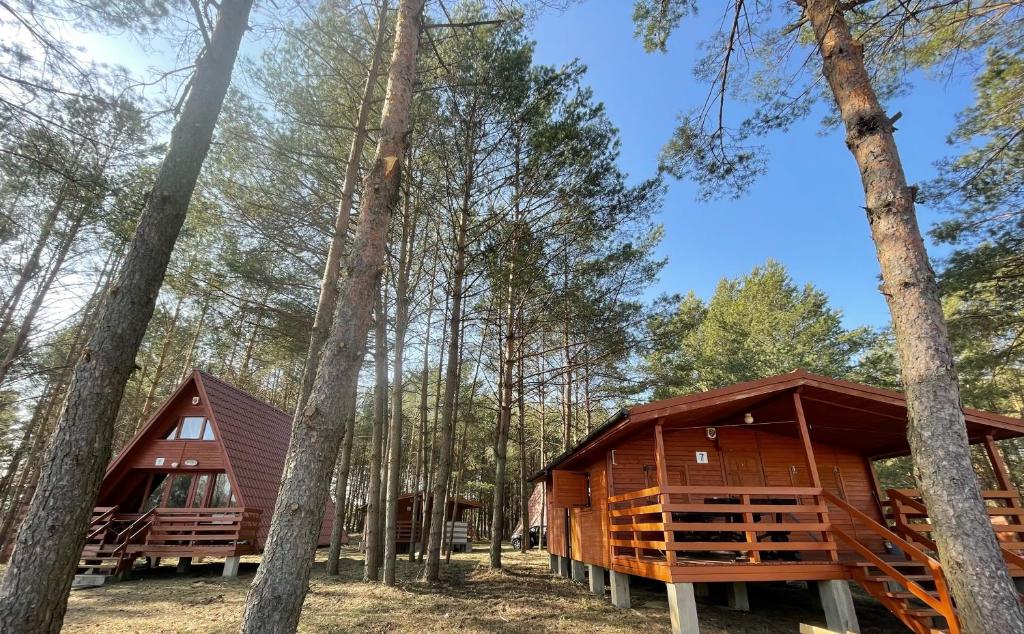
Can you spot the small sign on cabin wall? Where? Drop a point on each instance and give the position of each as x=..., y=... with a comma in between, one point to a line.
x=702, y=457
x=159, y=462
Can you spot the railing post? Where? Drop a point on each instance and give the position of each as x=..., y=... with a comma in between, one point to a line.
x=1002, y=474
x=663, y=498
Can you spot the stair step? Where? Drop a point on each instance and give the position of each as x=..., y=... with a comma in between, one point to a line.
x=909, y=595
x=885, y=578
x=900, y=563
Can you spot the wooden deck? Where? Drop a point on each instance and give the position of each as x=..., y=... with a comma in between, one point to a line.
x=116, y=539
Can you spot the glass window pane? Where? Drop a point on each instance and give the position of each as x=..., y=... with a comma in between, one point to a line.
x=156, y=491
x=200, y=494
x=178, y=494
x=222, y=495
x=208, y=431
x=190, y=427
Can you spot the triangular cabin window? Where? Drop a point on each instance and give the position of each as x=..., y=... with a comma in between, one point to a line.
x=569, y=488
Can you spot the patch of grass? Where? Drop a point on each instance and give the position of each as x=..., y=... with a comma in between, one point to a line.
x=524, y=597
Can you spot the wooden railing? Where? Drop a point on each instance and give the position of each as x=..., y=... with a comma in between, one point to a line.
x=103, y=520
x=666, y=524
x=206, y=529
x=940, y=601
x=911, y=519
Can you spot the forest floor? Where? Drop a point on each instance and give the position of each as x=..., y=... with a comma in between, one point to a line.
x=524, y=597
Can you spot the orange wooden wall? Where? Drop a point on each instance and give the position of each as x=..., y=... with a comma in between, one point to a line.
x=738, y=457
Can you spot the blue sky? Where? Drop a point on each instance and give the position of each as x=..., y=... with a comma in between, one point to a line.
x=806, y=212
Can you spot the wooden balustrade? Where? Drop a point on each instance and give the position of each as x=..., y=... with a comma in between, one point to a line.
x=911, y=519
x=940, y=601
x=755, y=523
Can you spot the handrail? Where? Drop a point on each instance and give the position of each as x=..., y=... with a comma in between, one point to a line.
x=943, y=604
x=104, y=517
x=901, y=498
x=131, y=526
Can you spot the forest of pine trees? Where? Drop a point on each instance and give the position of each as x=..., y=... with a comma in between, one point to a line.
x=386, y=218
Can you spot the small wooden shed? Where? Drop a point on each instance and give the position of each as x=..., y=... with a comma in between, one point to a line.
x=408, y=528
x=200, y=478
x=770, y=480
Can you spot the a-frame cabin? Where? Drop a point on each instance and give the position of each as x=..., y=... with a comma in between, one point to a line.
x=200, y=478
x=771, y=480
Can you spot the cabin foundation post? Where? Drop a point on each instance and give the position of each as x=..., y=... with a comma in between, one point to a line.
x=682, y=608
x=184, y=565
x=620, y=589
x=563, y=567
x=736, y=596
x=152, y=562
x=577, y=572
x=231, y=566
x=554, y=564
x=837, y=602
x=595, y=576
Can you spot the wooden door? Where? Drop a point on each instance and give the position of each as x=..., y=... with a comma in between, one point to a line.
x=743, y=468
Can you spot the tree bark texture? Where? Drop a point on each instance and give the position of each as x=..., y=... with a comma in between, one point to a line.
x=970, y=555
x=279, y=589
x=34, y=592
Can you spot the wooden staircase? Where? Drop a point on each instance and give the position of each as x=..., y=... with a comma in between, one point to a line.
x=917, y=614
x=106, y=551
x=913, y=587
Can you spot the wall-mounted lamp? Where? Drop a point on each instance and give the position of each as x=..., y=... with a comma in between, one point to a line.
x=748, y=418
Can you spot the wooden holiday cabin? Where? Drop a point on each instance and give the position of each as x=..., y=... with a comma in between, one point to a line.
x=200, y=478
x=770, y=480
x=457, y=528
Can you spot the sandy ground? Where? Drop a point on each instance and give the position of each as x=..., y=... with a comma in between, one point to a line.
x=524, y=597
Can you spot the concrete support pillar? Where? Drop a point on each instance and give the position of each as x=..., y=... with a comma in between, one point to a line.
x=596, y=578
x=578, y=574
x=563, y=567
x=620, y=589
x=682, y=608
x=184, y=564
x=152, y=562
x=231, y=566
x=837, y=602
x=736, y=596
x=554, y=564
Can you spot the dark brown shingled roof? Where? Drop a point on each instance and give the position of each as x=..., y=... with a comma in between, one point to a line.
x=255, y=437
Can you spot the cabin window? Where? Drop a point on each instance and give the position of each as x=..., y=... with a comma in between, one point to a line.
x=191, y=428
x=222, y=495
x=177, y=497
x=199, y=496
x=156, y=491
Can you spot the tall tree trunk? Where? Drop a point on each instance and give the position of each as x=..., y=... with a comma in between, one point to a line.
x=443, y=468
x=970, y=554
x=34, y=592
x=18, y=345
x=161, y=361
x=428, y=476
x=32, y=265
x=332, y=270
x=380, y=399
x=186, y=367
x=341, y=487
x=276, y=595
x=419, y=486
x=395, y=433
x=524, y=485
x=508, y=364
